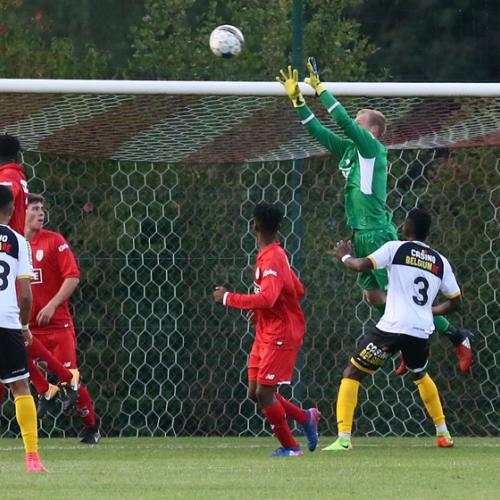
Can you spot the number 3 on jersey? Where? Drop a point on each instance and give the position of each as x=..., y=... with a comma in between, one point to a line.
x=421, y=298
x=4, y=273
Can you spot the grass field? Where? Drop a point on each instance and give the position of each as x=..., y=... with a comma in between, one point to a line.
x=239, y=468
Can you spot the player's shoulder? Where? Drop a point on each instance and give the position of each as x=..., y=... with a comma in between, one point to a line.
x=11, y=171
x=11, y=241
x=52, y=238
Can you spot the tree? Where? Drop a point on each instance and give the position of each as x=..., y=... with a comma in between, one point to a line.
x=28, y=49
x=433, y=40
x=171, y=41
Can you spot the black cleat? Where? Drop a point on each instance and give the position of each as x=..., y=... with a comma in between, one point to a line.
x=47, y=402
x=69, y=392
x=68, y=396
x=91, y=435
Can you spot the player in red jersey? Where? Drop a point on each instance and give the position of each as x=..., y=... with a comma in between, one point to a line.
x=275, y=311
x=56, y=277
x=12, y=175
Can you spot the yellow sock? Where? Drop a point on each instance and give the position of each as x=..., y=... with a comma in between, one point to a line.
x=430, y=396
x=346, y=404
x=28, y=423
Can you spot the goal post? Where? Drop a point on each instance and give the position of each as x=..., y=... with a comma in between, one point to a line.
x=154, y=189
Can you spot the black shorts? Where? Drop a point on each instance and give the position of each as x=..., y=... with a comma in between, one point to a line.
x=13, y=356
x=376, y=347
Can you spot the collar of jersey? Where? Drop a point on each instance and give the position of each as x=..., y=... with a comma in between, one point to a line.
x=272, y=245
x=421, y=243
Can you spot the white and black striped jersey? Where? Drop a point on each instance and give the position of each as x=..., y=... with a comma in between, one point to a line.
x=15, y=263
x=416, y=274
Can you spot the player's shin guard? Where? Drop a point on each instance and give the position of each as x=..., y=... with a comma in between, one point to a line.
x=85, y=407
x=27, y=420
x=430, y=396
x=291, y=410
x=346, y=404
x=276, y=416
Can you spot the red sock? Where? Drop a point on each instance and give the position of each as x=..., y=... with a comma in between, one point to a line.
x=38, y=351
x=276, y=416
x=291, y=410
x=84, y=407
x=37, y=379
x=2, y=392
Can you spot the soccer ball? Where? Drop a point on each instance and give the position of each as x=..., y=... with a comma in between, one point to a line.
x=226, y=41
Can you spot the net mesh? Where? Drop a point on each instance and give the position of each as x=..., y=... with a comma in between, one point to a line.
x=152, y=240
x=228, y=129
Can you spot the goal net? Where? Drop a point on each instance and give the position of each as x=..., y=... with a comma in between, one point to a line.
x=154, y=188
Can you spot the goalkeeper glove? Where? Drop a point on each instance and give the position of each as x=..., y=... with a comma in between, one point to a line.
x=313, y=78
x=291, y=84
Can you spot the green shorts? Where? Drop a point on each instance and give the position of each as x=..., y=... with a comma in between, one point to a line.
x=366, y=241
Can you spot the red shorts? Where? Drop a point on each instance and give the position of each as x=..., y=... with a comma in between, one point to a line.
x=269, y=364
x=61, y=343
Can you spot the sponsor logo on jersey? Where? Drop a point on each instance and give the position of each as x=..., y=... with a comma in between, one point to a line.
x=39, y=255
x=374, y=355
x=269, y=272
x=63, y=247
x=5, y=247
x=38, y=277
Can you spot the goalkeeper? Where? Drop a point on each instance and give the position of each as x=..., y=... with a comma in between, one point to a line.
x=363, y=162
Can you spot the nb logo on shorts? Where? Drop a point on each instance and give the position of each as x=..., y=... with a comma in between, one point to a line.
x=270, y=376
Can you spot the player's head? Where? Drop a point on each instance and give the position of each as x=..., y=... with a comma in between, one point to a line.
x=9, y=148
x=417, y=224
x=371, y=120
x=35, y=214
x=267, y=219
x=6, y=204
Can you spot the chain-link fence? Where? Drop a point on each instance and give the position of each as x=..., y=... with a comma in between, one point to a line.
x=152, y=240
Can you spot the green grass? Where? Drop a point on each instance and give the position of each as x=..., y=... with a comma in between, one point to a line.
x=239, y=468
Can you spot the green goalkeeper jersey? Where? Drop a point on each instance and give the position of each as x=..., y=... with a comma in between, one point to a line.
x=363, y=161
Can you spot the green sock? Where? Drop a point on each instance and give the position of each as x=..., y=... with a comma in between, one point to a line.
x=444, y=327
x=442, y=324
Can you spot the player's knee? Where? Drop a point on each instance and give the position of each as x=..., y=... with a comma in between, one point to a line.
x=264, y=396
x=20, y=388
x=418, y=375
x=353, y=373
x=251, y=394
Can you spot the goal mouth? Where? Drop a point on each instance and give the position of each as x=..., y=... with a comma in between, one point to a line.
x=231, y=122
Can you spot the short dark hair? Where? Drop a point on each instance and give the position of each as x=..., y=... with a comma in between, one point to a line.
x=9, y=147
x=420, y=221
x=268, y=217
x=35, y=198
x=6, y=199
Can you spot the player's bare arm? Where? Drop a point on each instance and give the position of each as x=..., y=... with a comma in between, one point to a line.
x=64, y=293
x=25, y=300
x=451, y=305
x=344, y=252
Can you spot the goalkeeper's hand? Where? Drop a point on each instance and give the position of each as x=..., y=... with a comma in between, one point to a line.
x=313, y=78
x=291, y=84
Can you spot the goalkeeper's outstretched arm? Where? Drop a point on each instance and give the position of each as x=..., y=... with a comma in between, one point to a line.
x=364, y=140
x=323, y=135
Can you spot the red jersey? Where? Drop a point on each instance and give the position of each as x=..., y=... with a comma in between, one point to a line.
x=53, y=262
x=277, y=292
x=12, y=175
